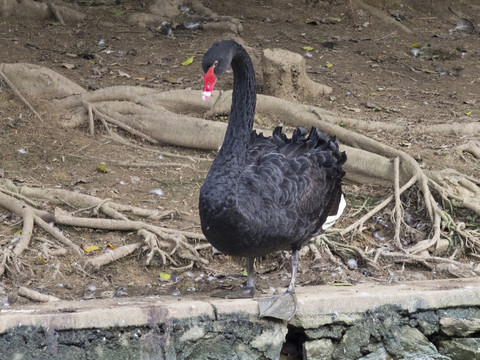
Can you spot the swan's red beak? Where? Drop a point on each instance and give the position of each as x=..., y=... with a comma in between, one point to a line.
x=209, y=79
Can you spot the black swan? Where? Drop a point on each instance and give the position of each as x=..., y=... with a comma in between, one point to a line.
x=264, y=194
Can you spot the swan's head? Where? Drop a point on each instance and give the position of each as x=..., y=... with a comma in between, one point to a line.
x=214, y=63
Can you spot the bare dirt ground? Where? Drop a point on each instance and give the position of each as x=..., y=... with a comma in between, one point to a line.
x=377, y=72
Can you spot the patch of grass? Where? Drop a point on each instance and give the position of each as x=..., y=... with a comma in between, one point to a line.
x=118, y=12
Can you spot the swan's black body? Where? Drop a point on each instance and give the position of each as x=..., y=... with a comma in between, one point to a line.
x=264, y=194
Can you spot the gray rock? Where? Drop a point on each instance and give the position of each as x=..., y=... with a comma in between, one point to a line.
x=352, y=342
x=380, y=354
x=410, y=343
x=460, y=313
x=270, y=342
x=461, y=348
x=427, y=322
x=459, y=327
x=318, y=349
x=333, y=331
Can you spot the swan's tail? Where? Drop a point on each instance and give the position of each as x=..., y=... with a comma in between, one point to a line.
x=331, y=159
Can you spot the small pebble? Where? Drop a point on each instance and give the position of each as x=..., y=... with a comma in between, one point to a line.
x=156, y=192
x=352, y=264
x=379, y=235
x=191, y=26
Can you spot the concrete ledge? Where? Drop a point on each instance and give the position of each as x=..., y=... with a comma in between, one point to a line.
x=187, y=321
x=317, y=305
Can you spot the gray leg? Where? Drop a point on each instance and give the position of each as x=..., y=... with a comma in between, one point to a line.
x=295, y=260
x=250, y=273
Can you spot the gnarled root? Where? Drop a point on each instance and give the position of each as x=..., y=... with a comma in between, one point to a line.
x=172, y=246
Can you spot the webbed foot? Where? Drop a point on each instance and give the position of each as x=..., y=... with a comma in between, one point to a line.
x=282, y=306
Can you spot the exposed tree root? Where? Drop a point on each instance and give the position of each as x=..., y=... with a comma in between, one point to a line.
x=55, y=11
x=172, y=246
x=18, y=93
x=177, y=238
x=24, y=241
x=155, y=117
x=28, y=9
x=111, y=256
x=398, y=210
x=84, y=203
x=387, y=19
x=58, y=235
x=35, y=295
x=358, y=225
x=169, y=11
x=472, y=147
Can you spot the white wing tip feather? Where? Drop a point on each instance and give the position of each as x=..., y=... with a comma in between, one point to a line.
x=333, y=218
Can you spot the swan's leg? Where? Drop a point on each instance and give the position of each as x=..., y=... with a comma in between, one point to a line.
x=248, y=291
x=250, y=274
x=295, y=259
x=282, y=306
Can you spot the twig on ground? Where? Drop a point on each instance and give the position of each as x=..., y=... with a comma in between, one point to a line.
x=57, y=235
x=353, y=14
x=333, y=244
x=359, y=223
x=123, y=141
x=105, y=117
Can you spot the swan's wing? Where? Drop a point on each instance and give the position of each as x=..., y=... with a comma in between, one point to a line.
x=290, y=187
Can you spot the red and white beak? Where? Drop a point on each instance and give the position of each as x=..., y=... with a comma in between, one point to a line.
x=209, y=79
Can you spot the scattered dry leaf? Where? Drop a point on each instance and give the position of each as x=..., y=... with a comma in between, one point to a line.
x=90, y=248
x=124, y=74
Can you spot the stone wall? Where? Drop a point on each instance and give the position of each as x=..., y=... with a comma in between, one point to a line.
x=390, y=333
x=434, y=320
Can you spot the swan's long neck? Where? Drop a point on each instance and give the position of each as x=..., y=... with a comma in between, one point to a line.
x=242, y=112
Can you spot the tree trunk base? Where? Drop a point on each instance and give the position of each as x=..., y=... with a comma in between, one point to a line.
x=285, y=76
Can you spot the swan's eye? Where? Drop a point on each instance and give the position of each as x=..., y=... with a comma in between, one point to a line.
x=215, y=63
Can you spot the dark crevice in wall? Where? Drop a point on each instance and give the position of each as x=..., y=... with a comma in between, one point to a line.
x=293, y=347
